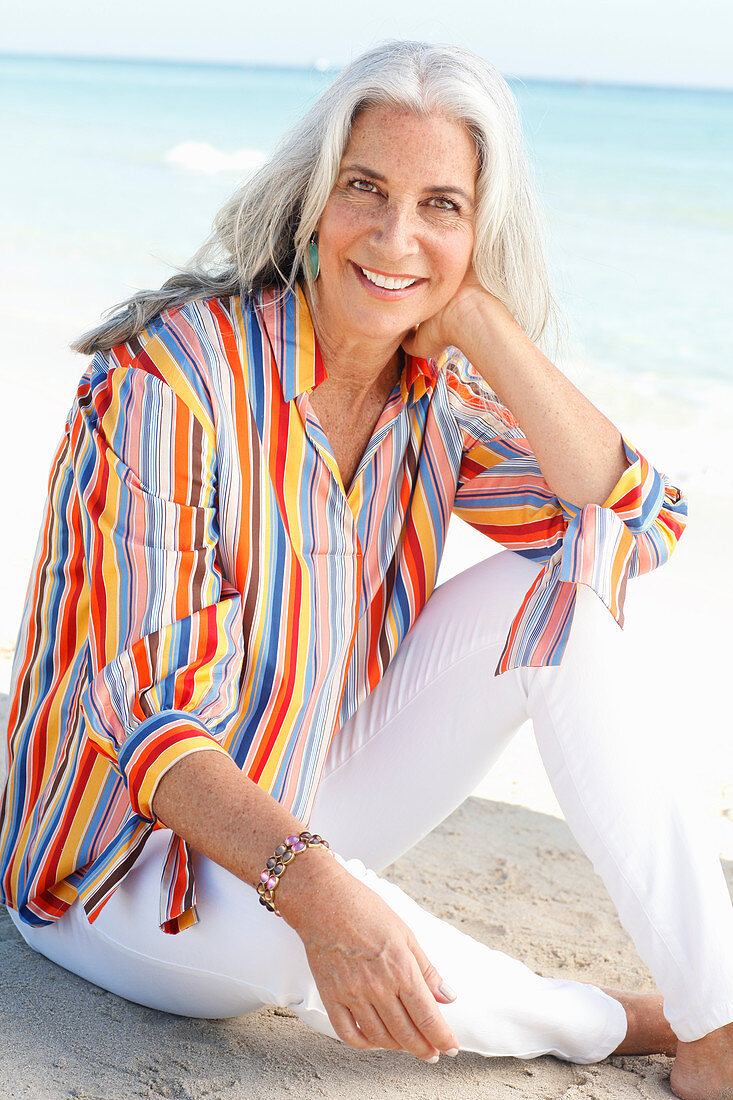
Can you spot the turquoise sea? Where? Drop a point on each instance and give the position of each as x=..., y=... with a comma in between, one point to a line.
x=116, y=168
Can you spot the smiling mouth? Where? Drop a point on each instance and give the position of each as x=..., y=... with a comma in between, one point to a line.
x=389, y=282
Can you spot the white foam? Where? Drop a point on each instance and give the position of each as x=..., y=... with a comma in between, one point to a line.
x=199, y=156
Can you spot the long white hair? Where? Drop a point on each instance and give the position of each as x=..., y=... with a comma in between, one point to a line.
x=260, y=236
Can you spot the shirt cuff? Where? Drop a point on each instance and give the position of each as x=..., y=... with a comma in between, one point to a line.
x=599, y=549
x=639, y=493
x=155, y=746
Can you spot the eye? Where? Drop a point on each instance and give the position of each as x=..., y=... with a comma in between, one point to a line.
x=363, y=185
x=440, y=202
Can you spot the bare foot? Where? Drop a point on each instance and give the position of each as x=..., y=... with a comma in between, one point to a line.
x=703, y=1070
x=648, y=1031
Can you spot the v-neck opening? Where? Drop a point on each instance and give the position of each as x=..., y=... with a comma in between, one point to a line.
x=387, y=418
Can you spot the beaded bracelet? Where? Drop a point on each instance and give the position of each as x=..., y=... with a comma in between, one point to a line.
x=276, y=864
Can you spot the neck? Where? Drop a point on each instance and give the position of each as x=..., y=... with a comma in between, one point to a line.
x=356, y=366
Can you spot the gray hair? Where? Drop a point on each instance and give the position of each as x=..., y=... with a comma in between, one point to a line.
x=260, y=236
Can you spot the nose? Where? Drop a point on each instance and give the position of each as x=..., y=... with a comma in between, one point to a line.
x=396, y=232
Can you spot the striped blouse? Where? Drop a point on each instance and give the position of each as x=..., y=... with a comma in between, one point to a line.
x=204, y=581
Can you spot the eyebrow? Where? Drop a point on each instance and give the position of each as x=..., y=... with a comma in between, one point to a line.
x=449, y=190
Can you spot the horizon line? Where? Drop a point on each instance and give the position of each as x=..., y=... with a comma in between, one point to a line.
x=320, y=65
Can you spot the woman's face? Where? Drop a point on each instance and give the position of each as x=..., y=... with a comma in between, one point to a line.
x=401, y=214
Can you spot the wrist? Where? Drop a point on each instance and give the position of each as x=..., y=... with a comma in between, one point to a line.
x=304, y=884
x=476, y=322
x=504, y=355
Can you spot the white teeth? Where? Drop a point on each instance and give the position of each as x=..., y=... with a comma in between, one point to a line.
x=386, y=281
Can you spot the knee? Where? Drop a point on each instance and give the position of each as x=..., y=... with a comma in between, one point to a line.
x=488, y=593
x=596, y=640
x=601, y=691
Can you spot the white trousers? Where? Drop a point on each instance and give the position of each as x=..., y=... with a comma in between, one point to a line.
x=414, y=750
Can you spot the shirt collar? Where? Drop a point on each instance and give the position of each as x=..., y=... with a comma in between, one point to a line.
x=286, y=319
x=418, y=378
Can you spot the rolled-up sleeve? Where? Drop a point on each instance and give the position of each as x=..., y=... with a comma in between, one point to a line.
x=501, y=491
x=165, y=635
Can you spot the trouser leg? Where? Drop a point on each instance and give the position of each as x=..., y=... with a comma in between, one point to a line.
x=239, y=958
x=617, y=774
x=436, y=722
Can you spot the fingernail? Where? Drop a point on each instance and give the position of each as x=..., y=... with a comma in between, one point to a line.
x=447, y=991
x=452, y=1052
x=433, y=1060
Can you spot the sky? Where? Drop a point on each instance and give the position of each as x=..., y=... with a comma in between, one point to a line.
x=667, y=42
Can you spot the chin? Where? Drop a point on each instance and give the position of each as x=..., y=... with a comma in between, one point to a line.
x=382, y=322
x=370, y=320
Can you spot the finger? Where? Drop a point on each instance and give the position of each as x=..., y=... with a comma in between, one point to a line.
x=371, y=1024
x=404, y=1031
x=410, y=341
x=440, y=989
x=346, y=1028
x=419, y=1003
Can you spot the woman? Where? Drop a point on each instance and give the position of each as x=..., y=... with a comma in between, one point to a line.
x=230, y=632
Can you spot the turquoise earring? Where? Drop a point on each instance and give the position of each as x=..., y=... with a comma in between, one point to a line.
x=314, y=261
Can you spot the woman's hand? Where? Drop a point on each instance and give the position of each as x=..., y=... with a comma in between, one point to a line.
x=377, y=985
x=368, y=967
x=472, y=312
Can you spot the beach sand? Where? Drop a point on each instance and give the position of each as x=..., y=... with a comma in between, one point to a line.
x=535, y=894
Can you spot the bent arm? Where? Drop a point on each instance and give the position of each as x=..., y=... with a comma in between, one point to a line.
x=206, y=799
x=575, y=496
x=579, y=451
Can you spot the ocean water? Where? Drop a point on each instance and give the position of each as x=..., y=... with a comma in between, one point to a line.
x=116, y=169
